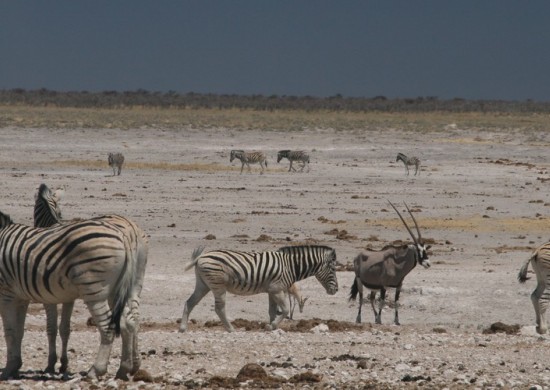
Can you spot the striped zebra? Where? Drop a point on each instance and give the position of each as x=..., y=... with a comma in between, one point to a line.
x=409, y=161
x=248, y=273
x=249, y=158
x=540, y=261
x=47, y=213
x=294, y=155
x=115, y=162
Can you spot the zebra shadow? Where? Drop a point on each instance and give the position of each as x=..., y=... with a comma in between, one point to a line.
x=42, y=376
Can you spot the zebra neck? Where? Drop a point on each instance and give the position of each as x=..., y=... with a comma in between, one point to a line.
x=302, y=267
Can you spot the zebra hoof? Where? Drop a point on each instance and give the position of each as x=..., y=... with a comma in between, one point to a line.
x=541, y=330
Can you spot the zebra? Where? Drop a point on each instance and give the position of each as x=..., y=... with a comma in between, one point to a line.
x=47, y=213
x=294, y=155
x=115, y=161
x=540, y=260
x=90, y=260
x=249, y=158
x=248, y=273
x=409, y=161
x=378, y=270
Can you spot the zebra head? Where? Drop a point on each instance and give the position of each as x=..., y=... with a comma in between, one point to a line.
x=5, y=220
x=282, y=154
x=46, y=209
x=420, y=246
x=326, y=275
x=235, y=154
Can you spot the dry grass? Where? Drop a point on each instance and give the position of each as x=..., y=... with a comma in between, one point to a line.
x=135, y=117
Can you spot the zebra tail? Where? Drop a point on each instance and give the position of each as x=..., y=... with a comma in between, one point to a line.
x=194, y=258
x=124, y=287
x=522, y=275
x=354, y=290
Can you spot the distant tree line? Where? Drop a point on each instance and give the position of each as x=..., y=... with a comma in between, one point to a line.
x=171, y=99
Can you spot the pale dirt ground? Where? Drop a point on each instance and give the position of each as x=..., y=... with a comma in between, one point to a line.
x=484, y=217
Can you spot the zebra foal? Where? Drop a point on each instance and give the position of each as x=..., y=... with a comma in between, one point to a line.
x=294, y=155
x=115, y=161
x=409, y=161
x=249, y=158
x=540, y=261
x=47, y=213
x=249, y=273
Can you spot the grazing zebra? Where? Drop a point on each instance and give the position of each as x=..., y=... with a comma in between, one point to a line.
x=409, y=161
x=47, y=213
x=248, y=273
x=115, y=161
x=249, y=158
x=91, y=260
x=294, y=155
x=540, y=260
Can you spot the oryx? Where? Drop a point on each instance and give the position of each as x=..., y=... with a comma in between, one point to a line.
x=379, y=270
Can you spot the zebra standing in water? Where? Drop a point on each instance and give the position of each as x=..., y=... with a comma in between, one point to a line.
x=249, y=273
x=90, y=260
x=540, y=261
x=294, y=155
x=47, y=213
x=249, y=158
x=409, y=161
x=115, y=161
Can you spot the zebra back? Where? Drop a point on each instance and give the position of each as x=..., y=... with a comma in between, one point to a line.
x=293, y=155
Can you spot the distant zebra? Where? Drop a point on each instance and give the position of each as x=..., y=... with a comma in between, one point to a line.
x=47, y=213
x=294, y=155
x=91, y=260
x=249, y=158
x=248, y=273
x=409, y=161
x=115, y=161
x=540, y=261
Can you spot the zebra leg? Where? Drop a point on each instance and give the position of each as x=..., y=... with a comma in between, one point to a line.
x=540, y=303
x=201, y=289
x=51, y=330
x=242, y=167
x=13, y=319
x=396, y=318
x=291, y=306
x=65, y=332
x=101, y=314
x=272, y=308
x=280, y=301
x=127, y=333
x=219, y=307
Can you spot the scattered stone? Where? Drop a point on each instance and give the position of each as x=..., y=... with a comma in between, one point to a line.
x=500, y=327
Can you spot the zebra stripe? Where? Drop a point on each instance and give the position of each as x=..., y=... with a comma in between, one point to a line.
x=248, y=273
x=294, y=155
x=540, y=261
x=115, y=161
x=46, y=211
x=409, y=161
x=249, y=158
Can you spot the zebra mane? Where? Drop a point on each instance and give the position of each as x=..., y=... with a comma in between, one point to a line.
x=45, y=206
x=5, y=220
x=294, y=247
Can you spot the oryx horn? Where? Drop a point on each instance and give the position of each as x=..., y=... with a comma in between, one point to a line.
x=405, y=223
x=415, y=224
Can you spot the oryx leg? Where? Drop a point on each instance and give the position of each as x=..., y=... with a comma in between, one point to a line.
x=396, y=318
x=278, y=300
x=381, y=304
x=359, y=285
x=13, y=319
x=201, y=289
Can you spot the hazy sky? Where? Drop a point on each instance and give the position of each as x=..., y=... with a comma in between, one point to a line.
x=474, y=49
